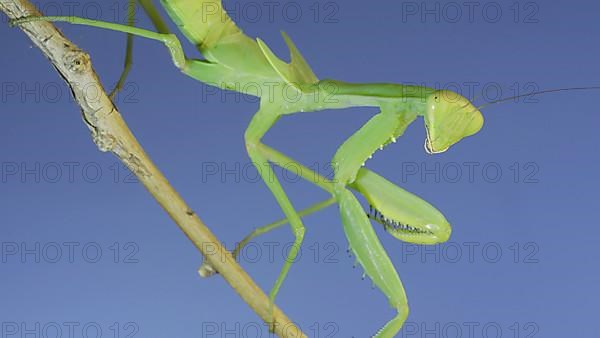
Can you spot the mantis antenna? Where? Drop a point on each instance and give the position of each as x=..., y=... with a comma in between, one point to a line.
x=539, y=92
x=555, y=90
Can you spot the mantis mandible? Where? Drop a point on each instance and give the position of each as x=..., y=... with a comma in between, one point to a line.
x=233, y=60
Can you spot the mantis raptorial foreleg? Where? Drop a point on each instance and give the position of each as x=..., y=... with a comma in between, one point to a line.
x=363, y=241
x=371, y=255
x=379, y=131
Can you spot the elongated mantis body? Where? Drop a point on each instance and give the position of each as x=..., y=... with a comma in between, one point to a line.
x=233, y=61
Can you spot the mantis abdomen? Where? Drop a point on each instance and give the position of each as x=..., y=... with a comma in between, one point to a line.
x=208, y=26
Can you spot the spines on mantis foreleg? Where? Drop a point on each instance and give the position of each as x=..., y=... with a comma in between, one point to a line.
x=379, y=131
x=368, y=249
x=403, y=214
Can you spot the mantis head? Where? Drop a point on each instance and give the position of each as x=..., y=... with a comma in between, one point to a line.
x=449, y=117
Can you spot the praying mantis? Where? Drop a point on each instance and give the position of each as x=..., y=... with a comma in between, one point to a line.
x=235, y=61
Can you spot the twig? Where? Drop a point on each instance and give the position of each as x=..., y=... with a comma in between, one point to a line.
x=111, y=134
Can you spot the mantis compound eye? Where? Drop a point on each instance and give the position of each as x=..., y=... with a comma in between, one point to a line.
x=449, y=117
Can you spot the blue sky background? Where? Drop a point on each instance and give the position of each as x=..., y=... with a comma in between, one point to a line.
x=523, y=254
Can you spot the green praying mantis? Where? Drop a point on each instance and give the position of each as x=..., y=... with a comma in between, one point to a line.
x=235, y=61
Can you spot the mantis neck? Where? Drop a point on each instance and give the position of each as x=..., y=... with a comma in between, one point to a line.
x=338, y=94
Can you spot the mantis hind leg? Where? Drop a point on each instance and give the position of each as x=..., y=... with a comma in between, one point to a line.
x=128, y=51
x=262, y=121
x=198, y=69
x=169, y=40
x=158, y=23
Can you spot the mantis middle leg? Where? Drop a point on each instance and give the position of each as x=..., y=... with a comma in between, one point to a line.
x=278, y=158
x=262, y=121
x=206, y=270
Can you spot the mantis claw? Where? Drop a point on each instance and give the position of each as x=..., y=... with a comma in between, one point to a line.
x=403, y=214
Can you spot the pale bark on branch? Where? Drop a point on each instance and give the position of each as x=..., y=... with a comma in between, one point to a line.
x=111, y=134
